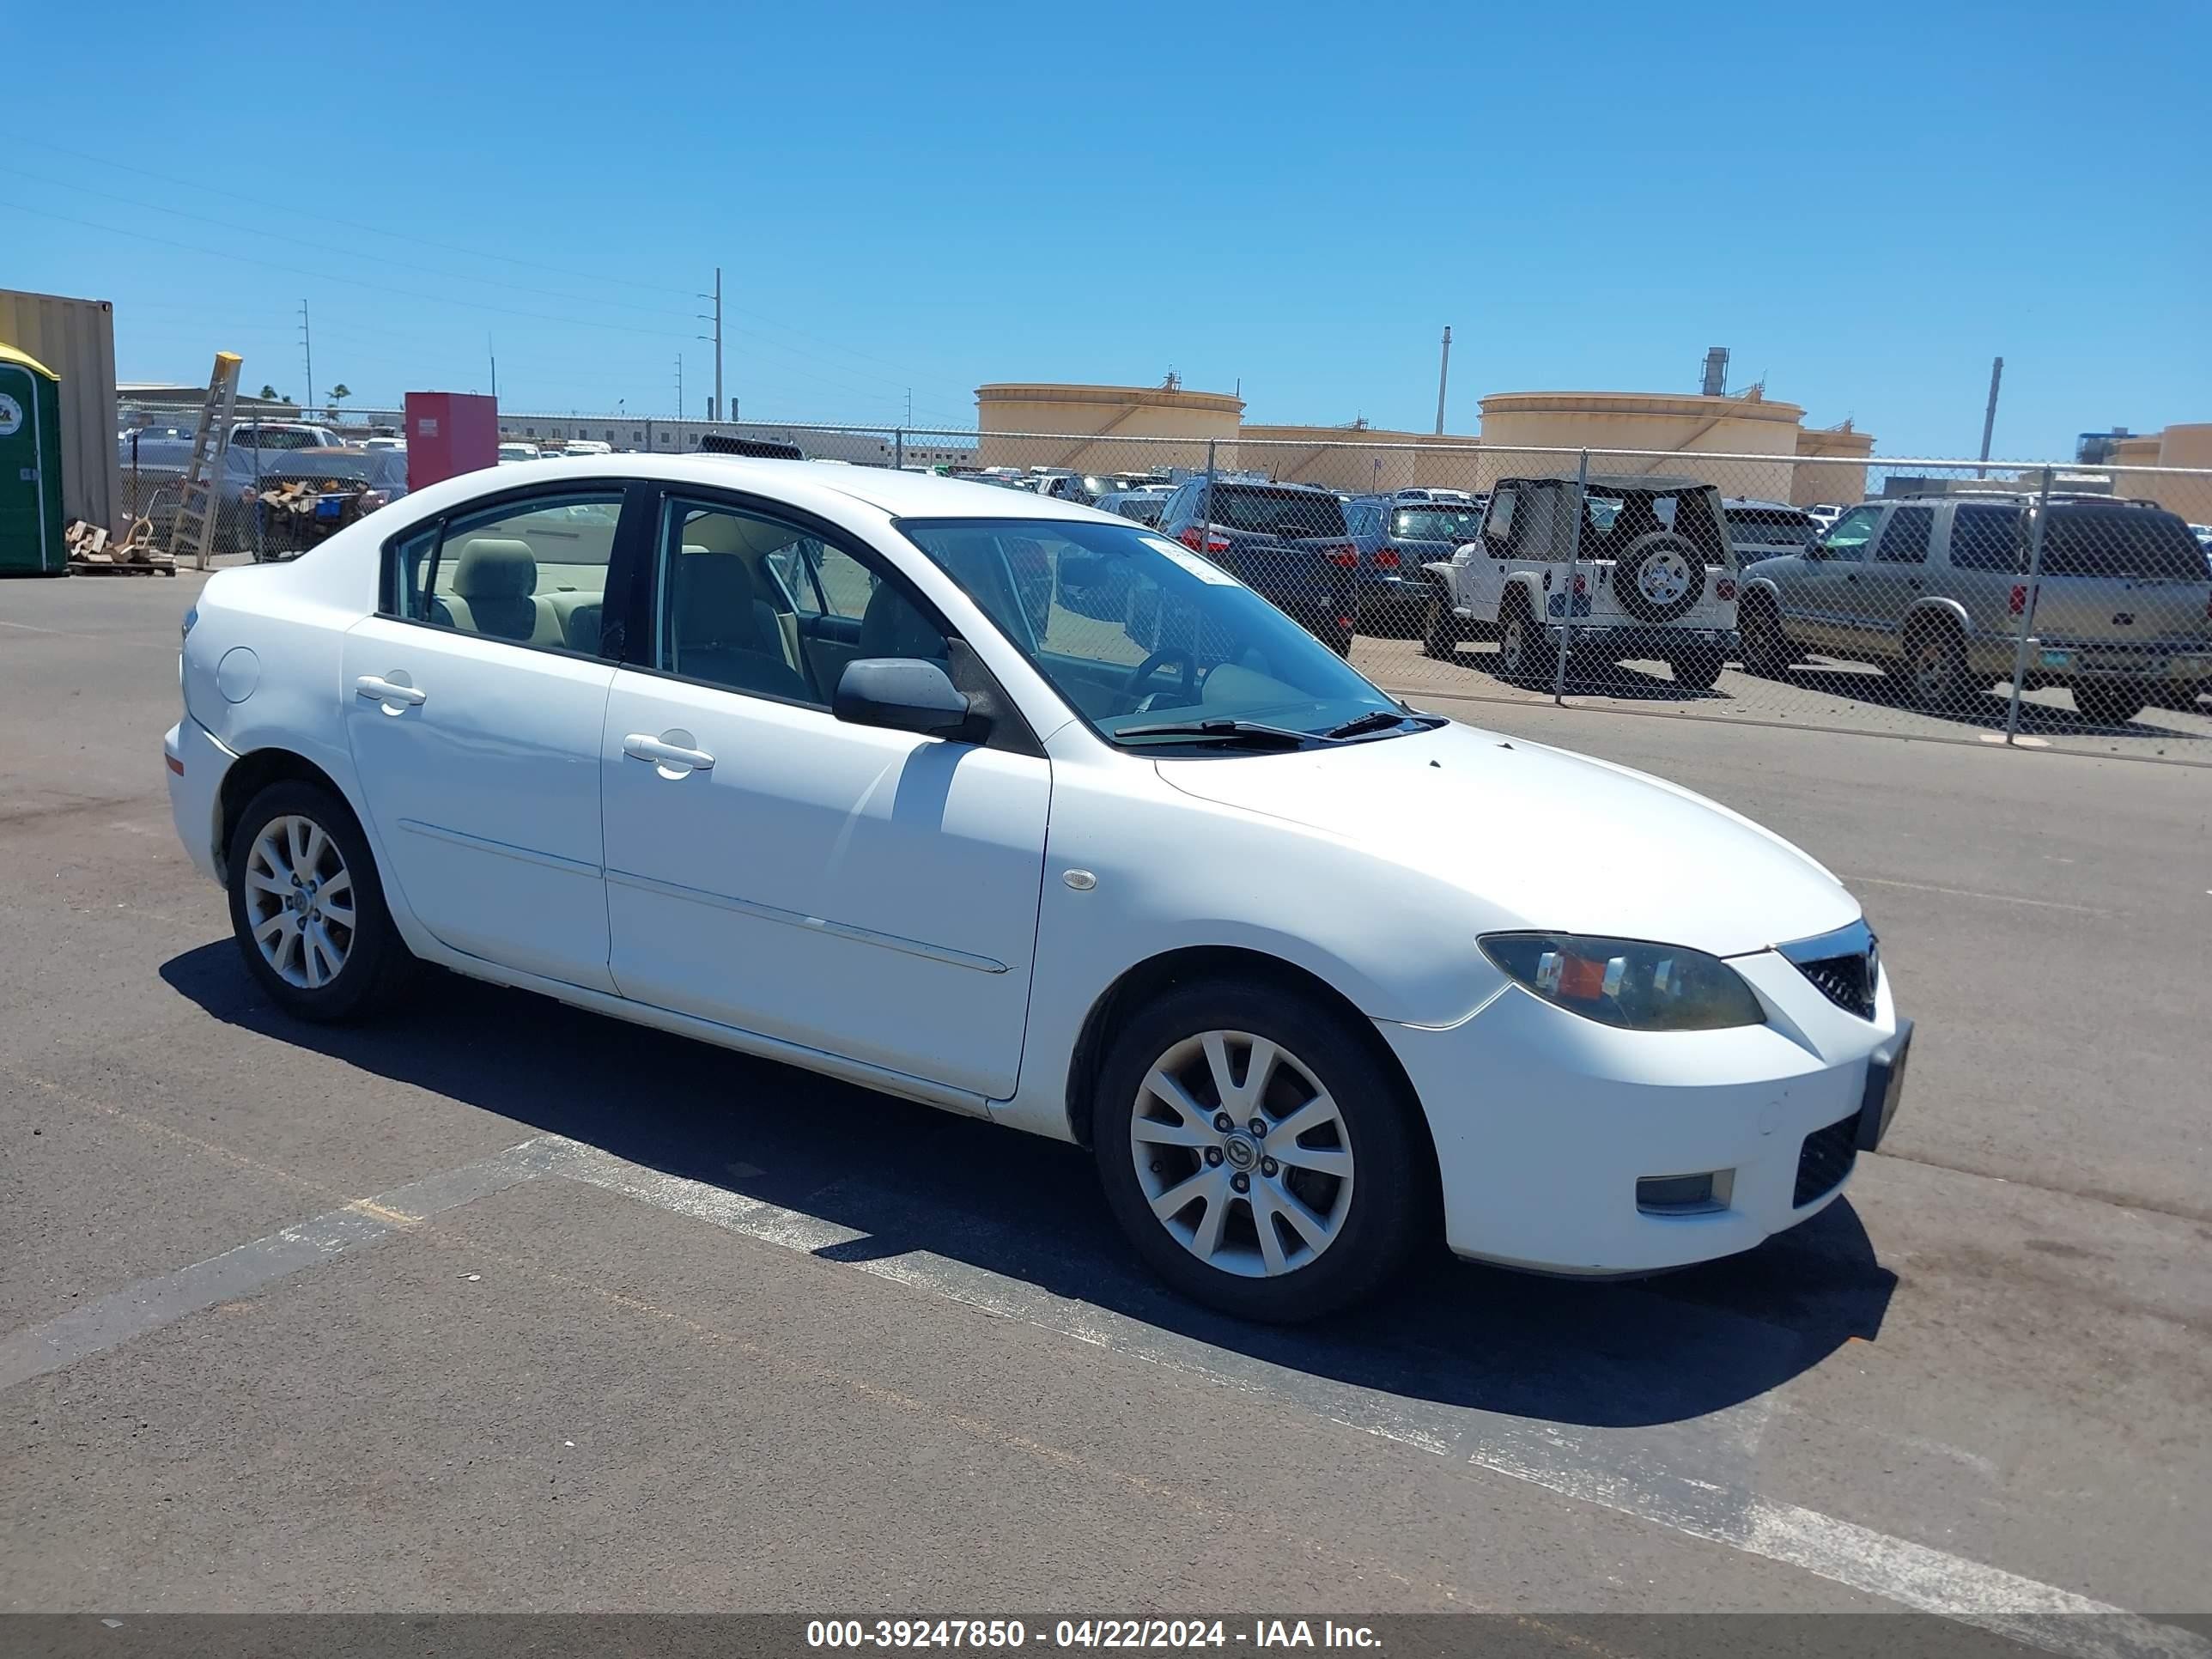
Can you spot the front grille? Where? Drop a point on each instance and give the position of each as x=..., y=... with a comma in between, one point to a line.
x=1824, y=1159
x=1843, y=980
x=1845, y=966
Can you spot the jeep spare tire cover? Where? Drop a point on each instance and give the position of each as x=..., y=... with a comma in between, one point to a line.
x=1659, y=577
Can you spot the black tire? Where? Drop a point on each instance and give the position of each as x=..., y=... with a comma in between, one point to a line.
x=2108, y=702
x=1932, y=672
x=1520, y=642
x=1767, y=652
x=1391, y=1207
x=1660, y=545
x=375, y=959
x=1440, y=628
x=1697, y=671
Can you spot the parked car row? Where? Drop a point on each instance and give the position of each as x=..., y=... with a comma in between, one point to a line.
x=349, y=480
x=1934, y=590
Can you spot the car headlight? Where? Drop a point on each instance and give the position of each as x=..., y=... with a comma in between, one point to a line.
x=1628, y=982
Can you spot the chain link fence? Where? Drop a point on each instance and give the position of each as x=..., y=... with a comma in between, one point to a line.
x=2029, y=603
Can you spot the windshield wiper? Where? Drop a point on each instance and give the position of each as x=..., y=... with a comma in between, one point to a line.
x=1224, y=731
x=1373, y=720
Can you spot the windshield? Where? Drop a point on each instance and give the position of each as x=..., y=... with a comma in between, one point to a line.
x=1133, y=630
x=1289, y=513
x=1454, y=524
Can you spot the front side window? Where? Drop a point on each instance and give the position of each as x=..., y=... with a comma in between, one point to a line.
x=1135, y=631
x=1904, y=538
x=1848, y=537
x=532, y=572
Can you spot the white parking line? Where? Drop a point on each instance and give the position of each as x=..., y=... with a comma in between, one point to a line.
x=150, y=1303
x=1634, y=1473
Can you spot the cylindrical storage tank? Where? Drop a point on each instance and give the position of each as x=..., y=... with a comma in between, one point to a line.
x=31, y=523
x=1363, y=460
x=1679, y=427
x=1079, y=424
x=1832, y=466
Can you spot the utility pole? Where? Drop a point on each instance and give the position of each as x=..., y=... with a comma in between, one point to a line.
x=307, y=345
x=910, y=405
x=715, y=410
x=491, y=352
x=1989, y=414
x=1443, y=378
x=679, y=385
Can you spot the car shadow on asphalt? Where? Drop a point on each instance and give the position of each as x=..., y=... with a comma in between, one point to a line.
x=912, y=1179
x=1983, y=709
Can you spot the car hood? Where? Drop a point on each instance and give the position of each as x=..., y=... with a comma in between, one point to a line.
x=1543, y=838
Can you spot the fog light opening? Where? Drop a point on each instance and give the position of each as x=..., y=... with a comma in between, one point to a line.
x=1685, y=1195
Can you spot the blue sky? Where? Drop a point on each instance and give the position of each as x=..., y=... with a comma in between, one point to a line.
x=1864, y=203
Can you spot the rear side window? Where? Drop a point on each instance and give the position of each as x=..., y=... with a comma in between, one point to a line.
x=2120, y=541
x=1904, y=538
x=1497, y=522
x=531, y=572
x=1986, y=538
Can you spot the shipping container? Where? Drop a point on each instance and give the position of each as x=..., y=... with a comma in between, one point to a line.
x=75, y=338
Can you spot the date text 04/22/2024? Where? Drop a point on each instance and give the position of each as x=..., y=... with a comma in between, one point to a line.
x=1001, y=1635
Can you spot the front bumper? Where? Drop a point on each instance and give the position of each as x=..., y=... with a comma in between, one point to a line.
x=1544, y=1122
x=195, y=765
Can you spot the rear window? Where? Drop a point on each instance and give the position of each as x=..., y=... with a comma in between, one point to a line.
x=277, y=437
x=2120, y=541
x=1770, y=527
x=1437, y=524
x=1288, y=512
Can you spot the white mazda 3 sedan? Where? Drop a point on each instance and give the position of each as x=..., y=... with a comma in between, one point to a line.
x=1022, y=811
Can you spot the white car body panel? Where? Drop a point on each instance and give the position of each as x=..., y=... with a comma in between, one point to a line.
x=892, y=876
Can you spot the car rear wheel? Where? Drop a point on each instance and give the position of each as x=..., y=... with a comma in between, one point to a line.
x=1933, y=670
x=1259, y=1158
x=2107, y=702
x=306, y=906
x=1699, y=670
x=1519, y=643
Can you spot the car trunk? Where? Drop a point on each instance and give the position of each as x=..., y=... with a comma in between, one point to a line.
x=2120, y=576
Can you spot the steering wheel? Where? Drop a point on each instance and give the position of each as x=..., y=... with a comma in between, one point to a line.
x=1153, y=664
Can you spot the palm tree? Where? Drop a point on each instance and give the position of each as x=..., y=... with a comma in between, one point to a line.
x=268, y=392
x=339, y=393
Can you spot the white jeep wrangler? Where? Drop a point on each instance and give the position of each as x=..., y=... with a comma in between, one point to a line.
x=1652, y=577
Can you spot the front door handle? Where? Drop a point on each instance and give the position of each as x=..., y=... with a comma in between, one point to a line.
x=377, y=689
x=670, y=756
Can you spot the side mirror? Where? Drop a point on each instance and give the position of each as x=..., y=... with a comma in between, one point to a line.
x=903, y=694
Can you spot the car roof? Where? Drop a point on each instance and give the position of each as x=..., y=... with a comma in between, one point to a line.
x=1648, y=484
x=891, y=490
x=1767, y=506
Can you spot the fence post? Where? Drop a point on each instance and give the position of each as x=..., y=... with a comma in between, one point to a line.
x=898, y=449
x=1206, y=500
x=1567, y=600
x=254, y=445
x=2027, y=605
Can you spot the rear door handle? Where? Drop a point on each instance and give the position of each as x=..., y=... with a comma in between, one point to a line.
x=380, y=690
x=639, y=745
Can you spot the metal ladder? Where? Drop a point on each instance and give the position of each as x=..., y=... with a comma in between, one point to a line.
x=198, y=501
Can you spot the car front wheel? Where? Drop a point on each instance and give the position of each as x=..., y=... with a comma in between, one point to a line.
x=306, y=906
x=1256, y=1155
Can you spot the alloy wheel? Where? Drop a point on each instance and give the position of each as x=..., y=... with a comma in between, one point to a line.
x=1241, y=1154
x=300, y=902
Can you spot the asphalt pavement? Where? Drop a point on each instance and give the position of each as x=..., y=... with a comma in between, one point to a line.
x=500, y=1305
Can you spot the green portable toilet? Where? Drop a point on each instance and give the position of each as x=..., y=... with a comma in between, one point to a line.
x=30, y=468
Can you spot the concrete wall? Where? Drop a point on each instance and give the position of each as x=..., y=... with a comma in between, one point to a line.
x=2186, y=445
x=1841, y=474
x=1680, y=425
x=1108, y=412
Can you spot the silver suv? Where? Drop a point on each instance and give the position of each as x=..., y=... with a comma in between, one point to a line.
x=1935, y=591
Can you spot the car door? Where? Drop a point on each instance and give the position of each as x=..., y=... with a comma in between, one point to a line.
x=1895, y=577
x=861, y=893
x=1824, y=611
x=475, y=699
